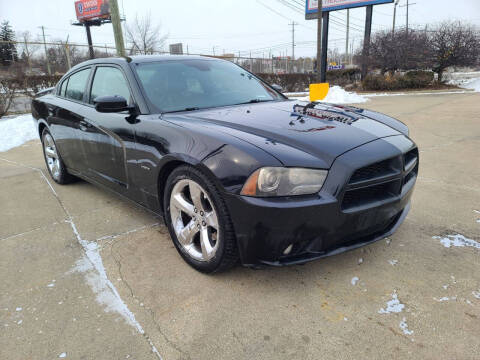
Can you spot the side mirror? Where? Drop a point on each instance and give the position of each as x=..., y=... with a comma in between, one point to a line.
x=277, y=87
x=111, y=104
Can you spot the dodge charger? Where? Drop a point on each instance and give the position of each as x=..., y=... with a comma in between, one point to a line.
x=239, y=172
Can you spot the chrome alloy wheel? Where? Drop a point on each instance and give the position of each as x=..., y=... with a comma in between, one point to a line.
x=194, y=220
x=51, y=155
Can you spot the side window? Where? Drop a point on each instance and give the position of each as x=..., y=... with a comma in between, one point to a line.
x=76, y=85
x=61, y=91
x=109, y=81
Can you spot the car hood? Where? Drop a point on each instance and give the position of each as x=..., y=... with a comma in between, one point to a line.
x=295, y=139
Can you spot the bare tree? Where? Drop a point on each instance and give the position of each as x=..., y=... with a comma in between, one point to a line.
x=390, y=51
x=454, y=44
x=7, y=93
x=144, y=36
x=28, y=48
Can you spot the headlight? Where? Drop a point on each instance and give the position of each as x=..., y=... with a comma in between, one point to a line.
x=280, y=181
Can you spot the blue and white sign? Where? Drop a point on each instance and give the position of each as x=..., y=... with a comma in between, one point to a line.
x=311, y=6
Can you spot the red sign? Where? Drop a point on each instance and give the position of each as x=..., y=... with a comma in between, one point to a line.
x=92, y=9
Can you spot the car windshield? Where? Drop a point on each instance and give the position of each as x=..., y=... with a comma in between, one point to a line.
x=179, y=85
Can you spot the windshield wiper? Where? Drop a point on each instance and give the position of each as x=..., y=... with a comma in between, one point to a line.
x=254, y=101
x=186, y=109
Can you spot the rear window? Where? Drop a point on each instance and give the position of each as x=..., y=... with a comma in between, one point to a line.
x=77, y=83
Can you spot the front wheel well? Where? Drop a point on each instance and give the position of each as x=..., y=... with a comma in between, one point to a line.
x=163, y=176
x=41, y=127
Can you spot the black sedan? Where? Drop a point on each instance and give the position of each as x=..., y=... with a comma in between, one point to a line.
x=238, y=171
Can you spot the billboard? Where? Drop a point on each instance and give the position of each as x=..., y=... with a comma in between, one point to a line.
x=92, y=9
x=311, y=6
x=176, y=49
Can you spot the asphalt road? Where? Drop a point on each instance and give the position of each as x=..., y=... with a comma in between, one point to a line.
x=85, y=275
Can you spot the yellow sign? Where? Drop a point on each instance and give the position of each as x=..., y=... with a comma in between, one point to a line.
x=318, y=91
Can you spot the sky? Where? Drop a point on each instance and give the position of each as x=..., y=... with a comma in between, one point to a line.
x=259, y=27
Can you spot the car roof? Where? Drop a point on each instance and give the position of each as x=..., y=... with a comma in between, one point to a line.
x=142, y=59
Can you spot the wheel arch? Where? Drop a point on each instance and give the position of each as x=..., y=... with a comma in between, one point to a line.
x=170, y=163
x=42, y=125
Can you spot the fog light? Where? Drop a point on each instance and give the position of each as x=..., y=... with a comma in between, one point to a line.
x=288, y=249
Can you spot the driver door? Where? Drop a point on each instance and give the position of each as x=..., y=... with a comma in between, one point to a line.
x=108, y=138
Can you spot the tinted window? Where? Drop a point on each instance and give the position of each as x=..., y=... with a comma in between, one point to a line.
x=76, y=85
x=61, y=92
x=109, y=81
x=181, y=84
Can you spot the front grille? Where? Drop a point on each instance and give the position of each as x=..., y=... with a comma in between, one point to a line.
x=379, y=169
x=380, y=181
x=370, y=194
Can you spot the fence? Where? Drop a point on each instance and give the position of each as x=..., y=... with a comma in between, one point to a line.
x=62, y=55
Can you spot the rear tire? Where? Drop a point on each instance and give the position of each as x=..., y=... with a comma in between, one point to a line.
x=53, y=160
x=198, y=221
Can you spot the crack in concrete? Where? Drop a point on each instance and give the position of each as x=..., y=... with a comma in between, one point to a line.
x=149, y=310
x=84, y=244
x=32, y=230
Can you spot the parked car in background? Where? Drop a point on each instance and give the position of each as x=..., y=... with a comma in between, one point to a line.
x=239, y=172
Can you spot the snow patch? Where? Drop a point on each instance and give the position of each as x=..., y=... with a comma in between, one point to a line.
x=457, y=240
x=470, y=81
x=393, y=306
x=445, y=298
x=107, y=295
x=354, y=280
x=16, y=131
x=404, y=327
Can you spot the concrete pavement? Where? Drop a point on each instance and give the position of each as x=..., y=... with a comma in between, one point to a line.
x=86, y=275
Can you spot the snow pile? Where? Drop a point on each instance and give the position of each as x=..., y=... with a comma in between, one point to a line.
x=466, y=80
x=16, y=131
x=473, y=84
x=337, y=95
x=458, y=241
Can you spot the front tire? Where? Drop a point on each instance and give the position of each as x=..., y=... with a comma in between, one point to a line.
x=55, y=166
x=198, y=221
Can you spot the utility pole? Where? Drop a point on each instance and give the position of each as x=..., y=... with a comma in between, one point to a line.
x=67, y=53
x=117, y=28
x=394, y=15
x=46, y=53
x=293, y=38
x=408, y=7
x=319, y=41
x=348, y=33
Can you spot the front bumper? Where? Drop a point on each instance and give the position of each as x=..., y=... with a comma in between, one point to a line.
x=318, y=226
